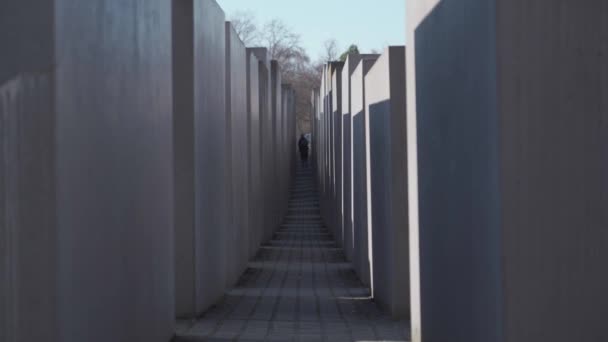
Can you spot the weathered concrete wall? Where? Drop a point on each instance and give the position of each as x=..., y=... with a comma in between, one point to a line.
x=113, y=169
x=184, y=156
x=275, y=112
x=360, y=171
x=352, y=61
x=266, y=140
x=349, y=66
x=199, y=119
x=237, y=244
x=211, y=197
x=553, y=121
x=86, y=172
x=385, y=105
x=27, y=186
x=254, y=136
x=522, y=192
x=336, y=113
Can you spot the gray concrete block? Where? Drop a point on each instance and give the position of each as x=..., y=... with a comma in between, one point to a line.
x=385, y=106
x=199, y=119
x=347, y=151
x=87, y=168
x=237, y=243
x=265, y=140
x=512, y=151
x=28, y=247
x=336, y=117
x=275, y=113
x=184, y=156
x=254, y=137
x=360, y=172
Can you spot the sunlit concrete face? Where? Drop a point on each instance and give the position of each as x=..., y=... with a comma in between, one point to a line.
x=336, y=117
x=385, y=111
x=85, y=135
x=352, y=61
x=512, y=150
x=360, y=171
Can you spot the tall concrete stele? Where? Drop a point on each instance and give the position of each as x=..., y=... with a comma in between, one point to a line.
x=86, y=171
x=508, y=155
x=369, y=169
x=388, y=229
x=134, y=154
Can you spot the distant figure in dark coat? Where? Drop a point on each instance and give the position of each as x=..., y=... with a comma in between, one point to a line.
x=303, y=146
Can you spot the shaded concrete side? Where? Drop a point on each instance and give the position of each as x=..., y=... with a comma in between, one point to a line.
x=360, y=170
x=275, y=111
x=349, y=66
x=385, y=105
x=457, y=148
x=114, y=170
x=183, y=156
x=254, y=158
x=28, y=248
x=211, y=212
x=237, y=242
x=26, y=35
x=336, y=114
x=266, y=140
x=553, y=128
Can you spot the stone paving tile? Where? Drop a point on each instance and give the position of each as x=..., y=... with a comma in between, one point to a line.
x=299, y=287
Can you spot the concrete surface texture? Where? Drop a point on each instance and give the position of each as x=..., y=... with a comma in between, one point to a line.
x=199, y=52
x=360, y=172
x=266, y=139
x=254, y=154
x=275, y=113
x=237, y=244
x=184, y=155
x=350, y=64
x=87, y=251
x=299, y=287
x=385, y=111
x=521, y=239
x=336, y=116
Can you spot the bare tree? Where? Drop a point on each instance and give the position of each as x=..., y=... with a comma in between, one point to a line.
x=285, y=46
x=245, y=25
x=330, y=50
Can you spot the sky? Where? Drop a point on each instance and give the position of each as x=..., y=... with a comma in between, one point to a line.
x=370, y=24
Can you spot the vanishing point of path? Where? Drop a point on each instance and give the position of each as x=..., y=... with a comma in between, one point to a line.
x=299, y=287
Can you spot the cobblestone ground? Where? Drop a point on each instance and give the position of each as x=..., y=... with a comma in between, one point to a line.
x=298, y=288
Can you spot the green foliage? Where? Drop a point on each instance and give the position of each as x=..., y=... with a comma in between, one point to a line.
x=353, y=49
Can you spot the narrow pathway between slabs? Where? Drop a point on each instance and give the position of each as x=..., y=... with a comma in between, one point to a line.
x=298, y=288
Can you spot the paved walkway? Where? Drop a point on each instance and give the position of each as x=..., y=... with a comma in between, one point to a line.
x=298, y=288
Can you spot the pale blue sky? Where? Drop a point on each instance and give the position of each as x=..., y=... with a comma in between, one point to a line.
x=371, y=24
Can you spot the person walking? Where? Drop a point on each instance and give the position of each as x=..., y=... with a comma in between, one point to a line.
x=303, y=146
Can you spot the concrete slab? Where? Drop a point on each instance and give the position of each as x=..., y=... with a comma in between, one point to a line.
x=336, y=117
x=198, y=121
x=511, y=144
x=254, y=137
x=266, y=139
x=385, y=111
x=360, y=171
x=237, y=244
x=86, y=239
x=352, y=61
